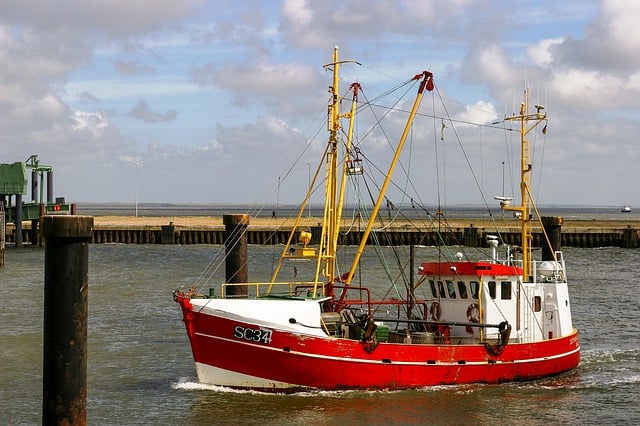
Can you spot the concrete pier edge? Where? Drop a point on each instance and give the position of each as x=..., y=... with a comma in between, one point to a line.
x=604, y=234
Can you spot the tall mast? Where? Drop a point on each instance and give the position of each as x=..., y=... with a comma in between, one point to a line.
x=326, y=255
x=333, y=194
x=524, y=209
x=330, y=225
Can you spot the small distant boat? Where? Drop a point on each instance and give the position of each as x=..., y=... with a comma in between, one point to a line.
x=626, y=209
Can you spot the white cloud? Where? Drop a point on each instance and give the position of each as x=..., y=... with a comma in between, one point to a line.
x=115, y=17
x=610, y=41
x=297, y=11
x=481, y=112
x=92, y=123
x=541, y=53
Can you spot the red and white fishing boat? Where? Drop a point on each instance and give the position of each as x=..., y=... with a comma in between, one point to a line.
x=504, y=318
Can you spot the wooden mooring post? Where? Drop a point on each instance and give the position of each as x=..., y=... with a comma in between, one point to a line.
x=472, y=236
x=553, y=228
x=64, y=376
x=630, y=238
x=168, y=235
x=236, y=269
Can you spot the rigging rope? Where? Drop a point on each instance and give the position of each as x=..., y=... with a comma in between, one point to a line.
x=473, y=174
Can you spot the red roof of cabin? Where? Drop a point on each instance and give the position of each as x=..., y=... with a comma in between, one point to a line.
x=467, y=268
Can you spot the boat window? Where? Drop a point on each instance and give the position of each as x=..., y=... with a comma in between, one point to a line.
x=434, y=292
x=505, y=290
x=537, y=303
x=474, y=289
x=492, y=289
x=443, y=295
x=462, y=289
x=451, y=289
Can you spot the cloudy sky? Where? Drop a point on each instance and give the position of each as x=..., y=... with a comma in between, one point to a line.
x=215, y=100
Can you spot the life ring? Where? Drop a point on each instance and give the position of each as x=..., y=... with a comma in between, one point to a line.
x=473, y=313
x=435, y=311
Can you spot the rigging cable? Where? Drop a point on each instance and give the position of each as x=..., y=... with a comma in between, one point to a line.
x=466, y=157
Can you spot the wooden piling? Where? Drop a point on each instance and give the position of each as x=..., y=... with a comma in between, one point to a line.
x=18, y=221
x=168, y=233
x=553, y=228
x=471, y=236
x=65, y=319
x=236, y=269
x=630, y=238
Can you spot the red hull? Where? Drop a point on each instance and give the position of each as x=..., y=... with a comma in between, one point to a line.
x=302, y=361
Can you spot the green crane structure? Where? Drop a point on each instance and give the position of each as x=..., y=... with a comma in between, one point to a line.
x=14, y=184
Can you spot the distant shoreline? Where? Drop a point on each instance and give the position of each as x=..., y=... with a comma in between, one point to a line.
x=121, y=221
x=457, y=215
x=110, y=221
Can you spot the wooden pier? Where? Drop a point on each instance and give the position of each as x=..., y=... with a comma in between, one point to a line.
x=266, y=231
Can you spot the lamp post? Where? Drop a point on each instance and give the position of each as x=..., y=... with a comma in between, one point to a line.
x=503, y=178
x=309, y=189
x=136, y=188
x=502, y=186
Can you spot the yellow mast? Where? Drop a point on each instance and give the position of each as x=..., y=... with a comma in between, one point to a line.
x=524, y=209
x=326, y=256
x=333, y=196
x=329, y=226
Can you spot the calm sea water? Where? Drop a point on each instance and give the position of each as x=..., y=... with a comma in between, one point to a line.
x=141, y=370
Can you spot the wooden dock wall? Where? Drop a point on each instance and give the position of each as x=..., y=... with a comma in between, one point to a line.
x=471, y=237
